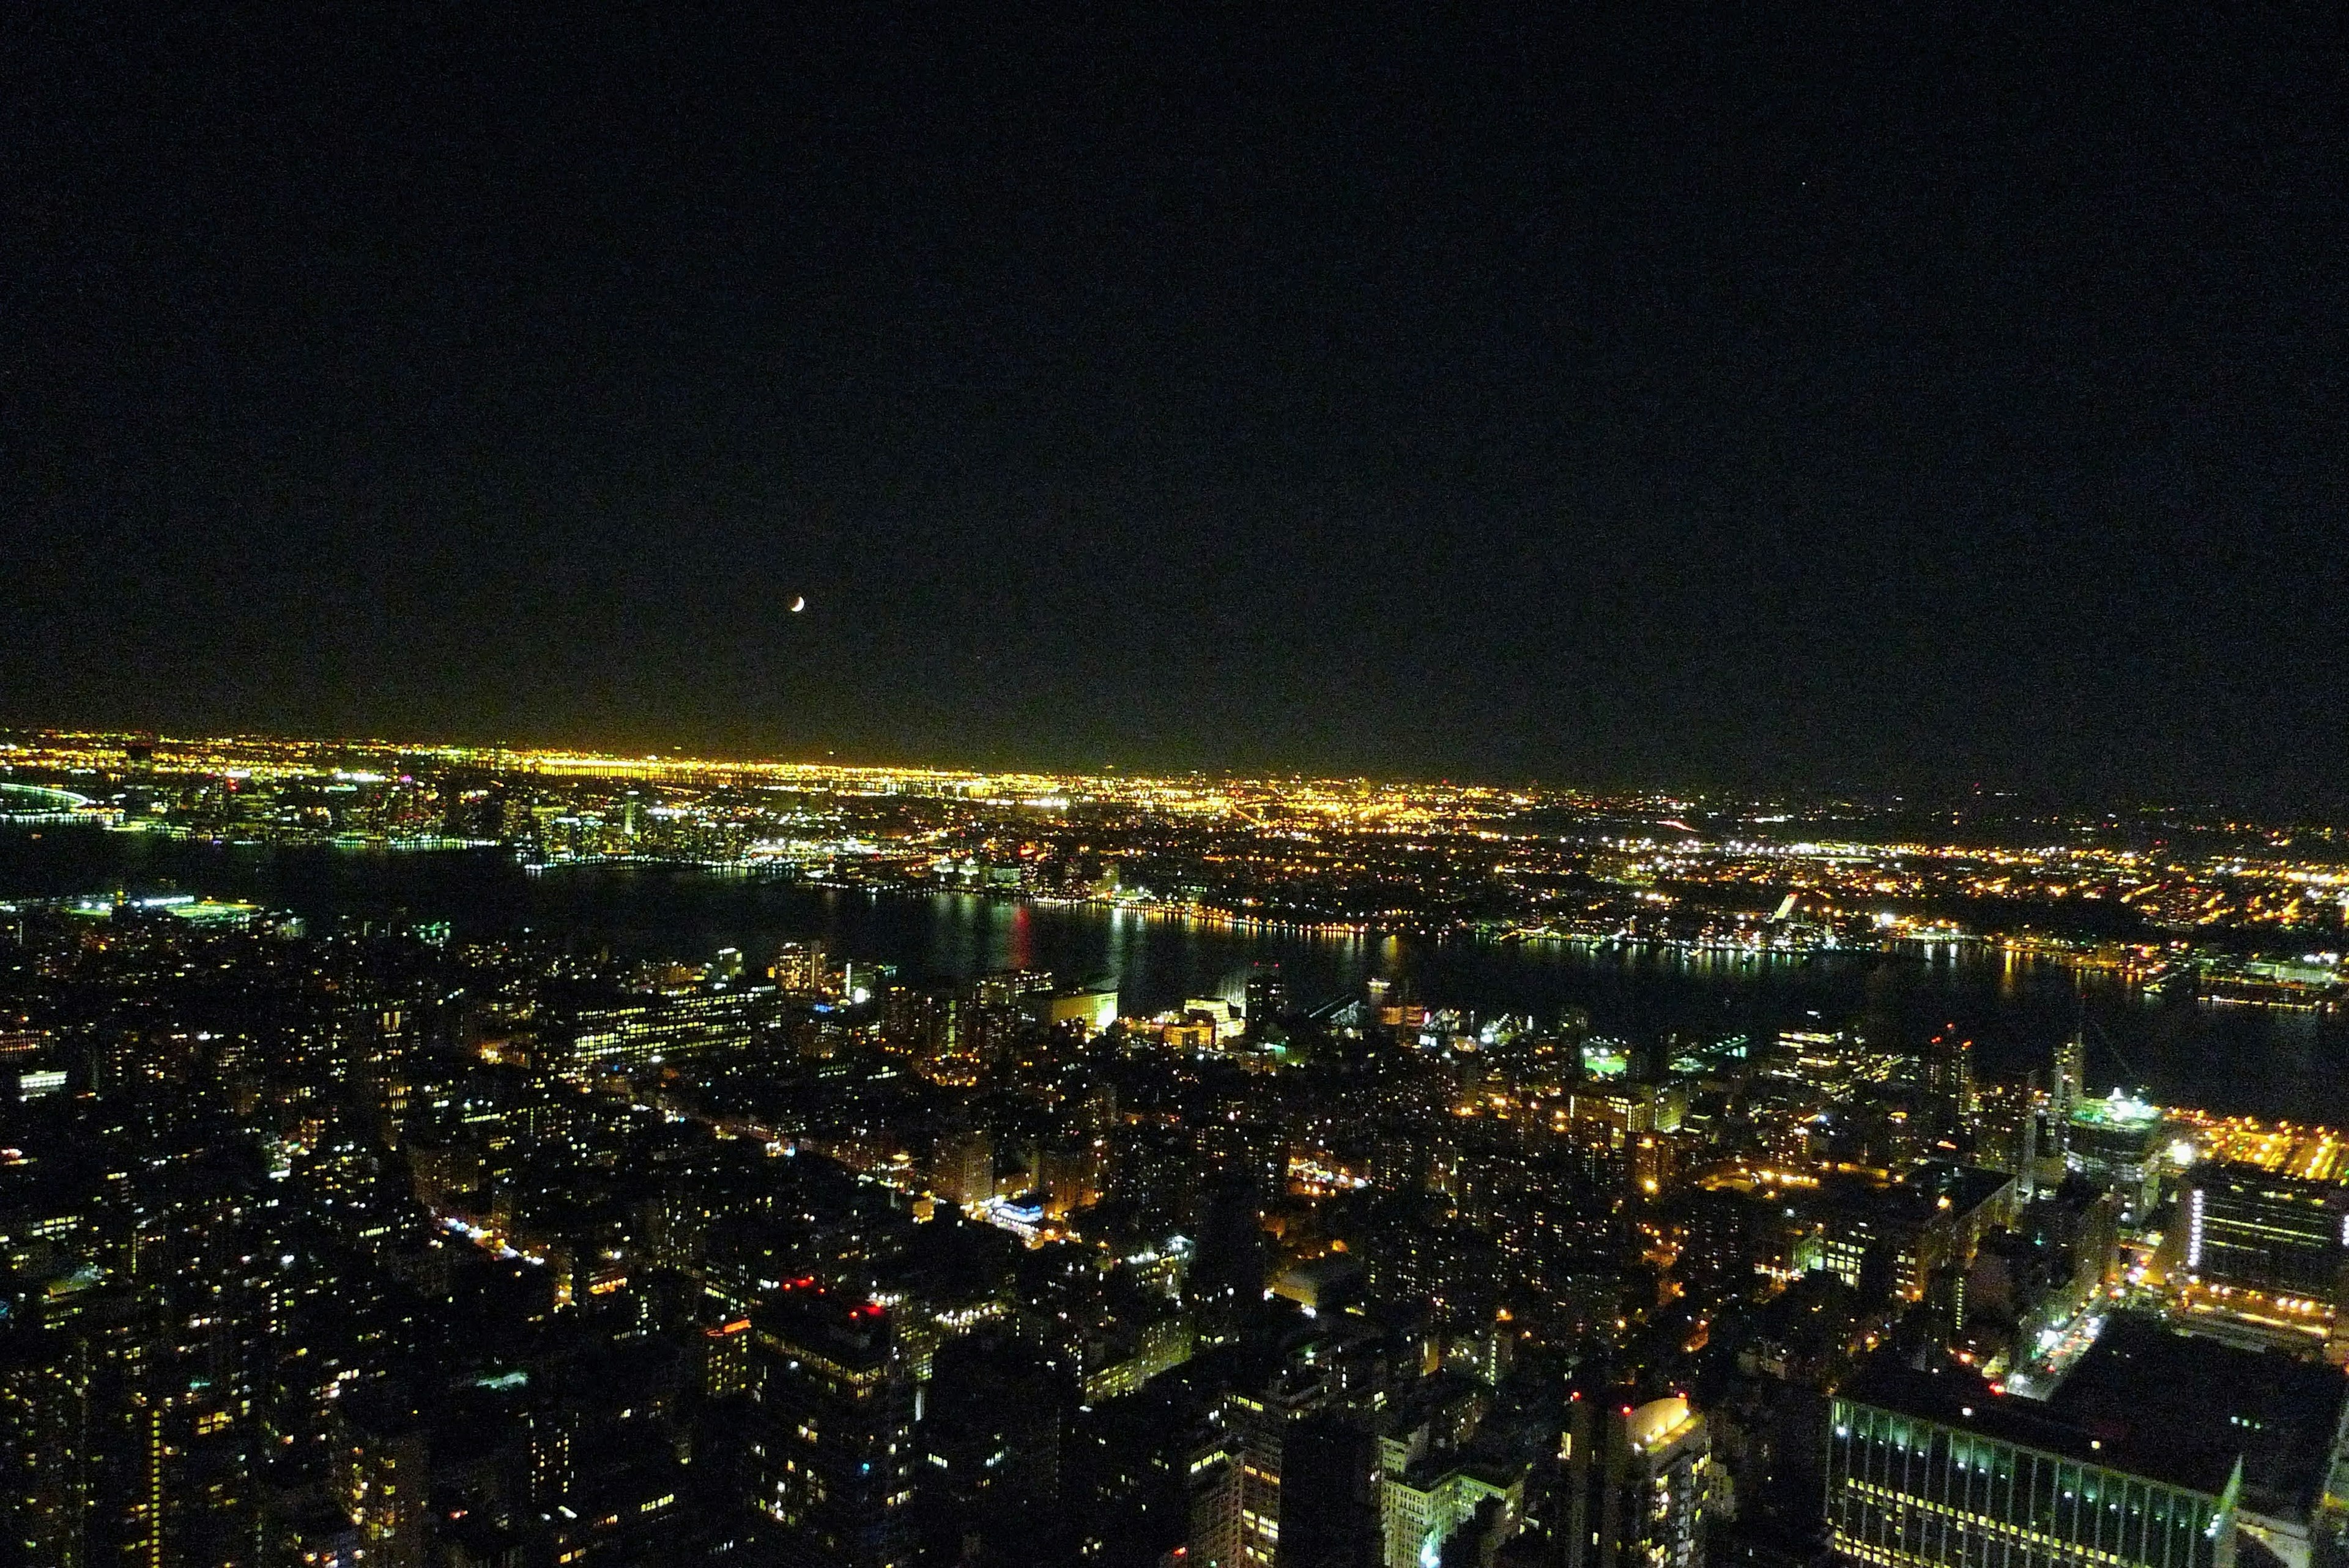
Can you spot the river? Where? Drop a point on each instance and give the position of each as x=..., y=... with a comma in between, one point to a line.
x=2230, y=1059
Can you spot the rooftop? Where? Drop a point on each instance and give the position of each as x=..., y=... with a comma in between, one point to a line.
x=2119, y=1111
x=1956, y=1396
x=2198, y=1395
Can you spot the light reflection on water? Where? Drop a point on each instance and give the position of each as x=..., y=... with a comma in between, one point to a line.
x=2015, y=1007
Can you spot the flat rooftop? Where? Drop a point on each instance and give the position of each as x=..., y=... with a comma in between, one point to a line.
x=2280, y=1413
x=2154, y=1403
x=1957, y=1397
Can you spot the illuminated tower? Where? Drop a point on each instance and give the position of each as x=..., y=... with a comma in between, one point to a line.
x=1638, y=1484
x=1949, y=1070
x=2071, y=1069
x=2066, y=1091
x=2072, y=1059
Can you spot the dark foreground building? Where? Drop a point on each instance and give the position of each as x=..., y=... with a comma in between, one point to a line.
x=1931, y=1468
x=2160, y=1449
x=832, y=1439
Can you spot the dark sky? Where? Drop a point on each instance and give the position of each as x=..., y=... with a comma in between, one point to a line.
x=1908, y=394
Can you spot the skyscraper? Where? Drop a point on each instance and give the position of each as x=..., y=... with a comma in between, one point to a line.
x=1950, y=1069
x=2070, y=1080
x=1277, y=1449
x=2071, y=1074
x=1265, y=997
x=1638, y=1483
x=830, y=1442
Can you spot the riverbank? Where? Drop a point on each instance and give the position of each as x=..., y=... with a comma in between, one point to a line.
x=2013, y=1005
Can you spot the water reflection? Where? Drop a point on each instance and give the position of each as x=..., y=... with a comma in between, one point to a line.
x=2014, y=1007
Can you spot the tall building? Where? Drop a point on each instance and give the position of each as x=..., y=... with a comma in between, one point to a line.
x=2070, y=1082
x=933, y=1027
x=80, y=1487
x=1150, y=1168
x=1639, y=1483
x=1069, y=1172
x=990, y=1436
x=1270, y=1452
x=2050, y=1140
x=2245, y=1228
x=1263, y=998
x=1010, y=988
x=799, y=970
x=383, y=1478
x=2117, y=1143
x=1933, y=1469
x=1422, y=1505
x=1259, y=1425
x=962, y=1167
x=1331, y=1479
x=1949, y=1070
x=728, y=1371
x=1089, y=1010
x=2287, y=1418
x=831, y=1439
x=1212, y=1499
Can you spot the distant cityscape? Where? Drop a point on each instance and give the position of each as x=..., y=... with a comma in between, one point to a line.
x=2245, y=910
x=385, y=1240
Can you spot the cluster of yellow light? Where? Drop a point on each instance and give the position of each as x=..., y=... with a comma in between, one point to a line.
x=2287, y=1149
x=2266, y=886
x=277, y=757
x=2297, y=1314
x=1744, y=1178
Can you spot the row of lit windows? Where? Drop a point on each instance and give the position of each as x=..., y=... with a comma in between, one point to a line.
x=1898, y=1510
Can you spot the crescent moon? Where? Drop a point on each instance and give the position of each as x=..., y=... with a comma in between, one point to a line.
x=798, y=605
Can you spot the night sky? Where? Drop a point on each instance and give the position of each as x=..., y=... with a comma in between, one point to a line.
x=1890, y=396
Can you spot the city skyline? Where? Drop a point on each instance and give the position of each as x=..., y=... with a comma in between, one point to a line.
x=592, y=756
x=781, y=1255
x=1173, y=786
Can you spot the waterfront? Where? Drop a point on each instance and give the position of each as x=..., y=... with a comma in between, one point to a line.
x=2250, y=1061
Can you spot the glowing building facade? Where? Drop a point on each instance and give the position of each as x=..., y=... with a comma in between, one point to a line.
x=1935, y=1470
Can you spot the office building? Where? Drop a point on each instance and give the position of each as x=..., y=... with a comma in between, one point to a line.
x=383, y=1478
x=1247, y=1472
x=2070, y=1082
x=1089, y=1011
x=1931, y=1468
x=1423, y=1505
x=2118, y=1143
x=1265, y=997
x=646, y=1029
x=2243, y=1229
x=800, y=969
x=2286, y=1417
x=1949, y=1070
x=962, y=1167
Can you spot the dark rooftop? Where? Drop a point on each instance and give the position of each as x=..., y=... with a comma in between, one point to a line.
x=2280, y=1413
x=1957, y=1397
